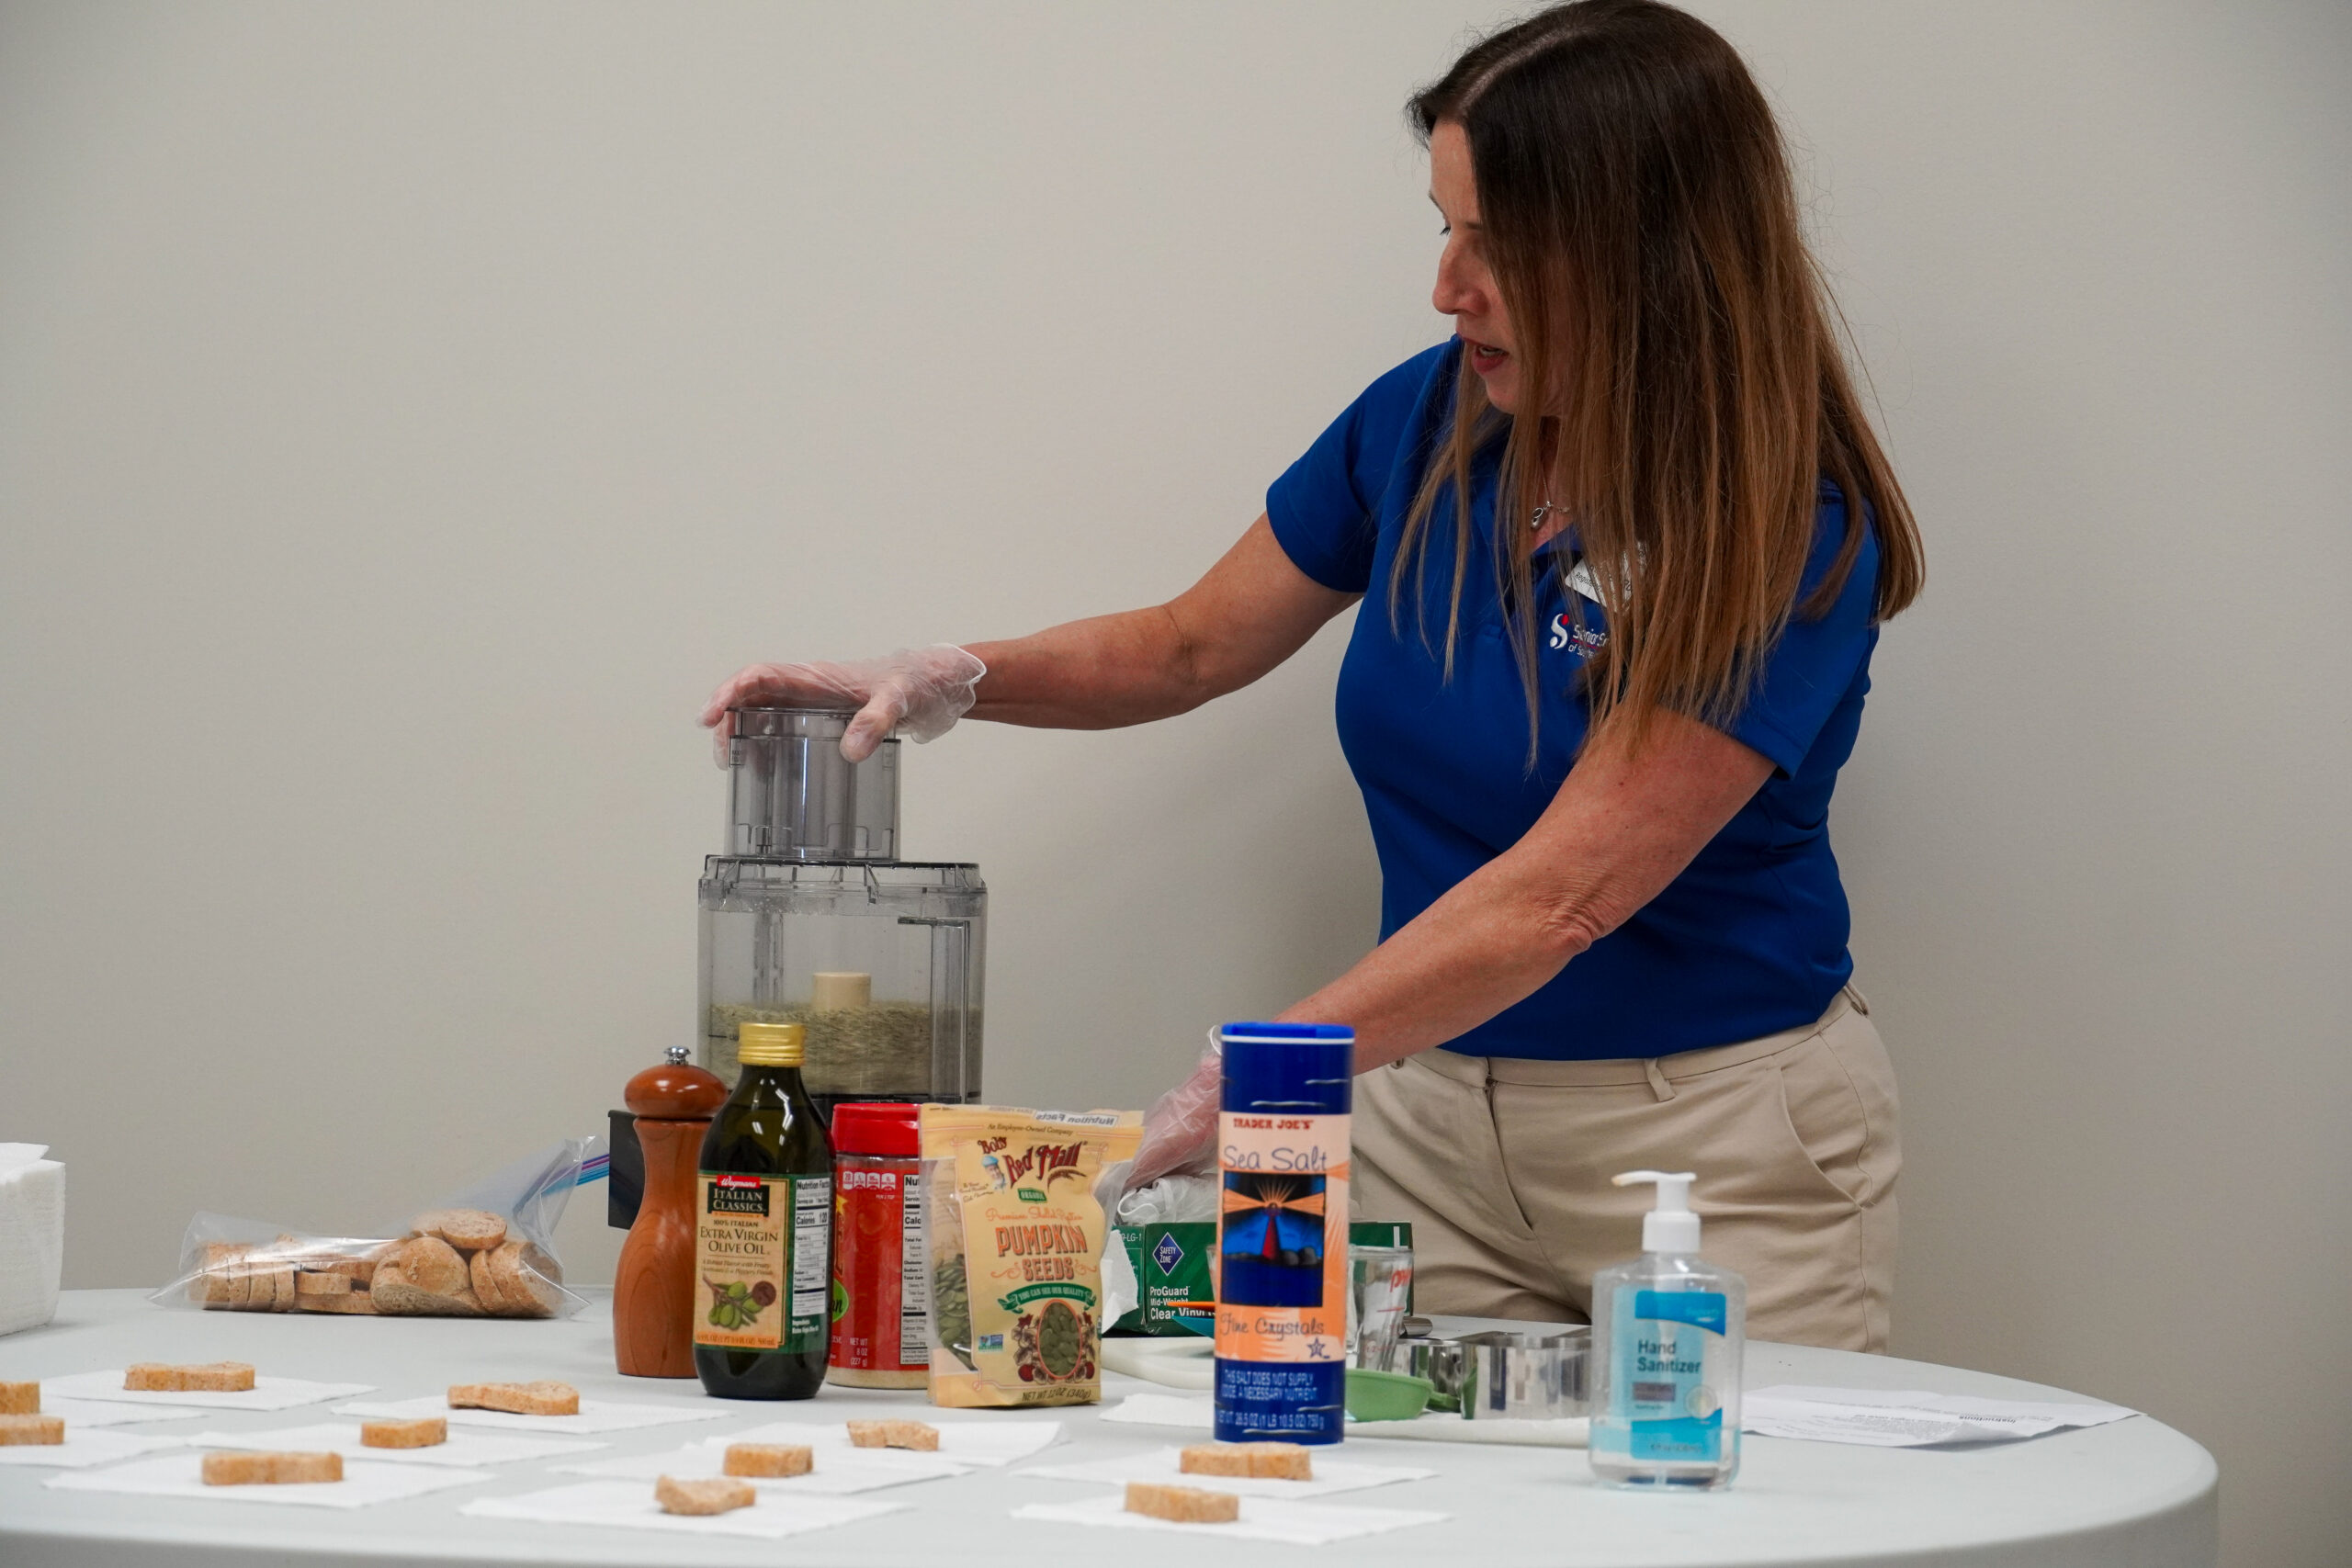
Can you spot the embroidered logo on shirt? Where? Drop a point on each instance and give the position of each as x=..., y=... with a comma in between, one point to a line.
x=1587, y=640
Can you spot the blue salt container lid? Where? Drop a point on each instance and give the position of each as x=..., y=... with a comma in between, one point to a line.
x=1298, y=1069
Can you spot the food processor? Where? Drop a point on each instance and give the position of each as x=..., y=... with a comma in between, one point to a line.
x=811, y=918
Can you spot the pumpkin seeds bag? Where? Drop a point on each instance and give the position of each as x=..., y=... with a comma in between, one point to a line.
x=1014, y=1226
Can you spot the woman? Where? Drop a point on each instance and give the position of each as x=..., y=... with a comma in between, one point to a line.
x=1624, y=543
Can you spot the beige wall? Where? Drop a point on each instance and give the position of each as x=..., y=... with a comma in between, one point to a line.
x=407, y=413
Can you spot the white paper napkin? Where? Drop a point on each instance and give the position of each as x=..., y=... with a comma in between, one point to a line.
x=630, y=1503
x=595, y=1415
x=1166, y=1466
x=267, y=1393
x=83, y=1448
x=983, y=1440
x=107, y=1413
x=1262, y=1518
x=32, y=1235
x=1195, y=1411
x=463, y=1450
x=837, y=1474
x=182, y=1475
x=1885, y=1418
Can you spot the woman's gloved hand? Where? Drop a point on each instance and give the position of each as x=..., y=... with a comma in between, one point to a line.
x=919, y=690
x=1180, y=1130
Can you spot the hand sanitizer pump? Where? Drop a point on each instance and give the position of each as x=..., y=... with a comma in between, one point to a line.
x=1668, y=1328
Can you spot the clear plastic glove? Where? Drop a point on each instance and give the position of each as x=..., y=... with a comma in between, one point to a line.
x=1180, y=1130
x=920, y=692
x=1179, y=1199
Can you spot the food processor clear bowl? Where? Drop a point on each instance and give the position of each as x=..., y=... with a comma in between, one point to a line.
x=881, y=962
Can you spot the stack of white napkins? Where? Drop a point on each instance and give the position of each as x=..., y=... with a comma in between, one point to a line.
x=32, y=1235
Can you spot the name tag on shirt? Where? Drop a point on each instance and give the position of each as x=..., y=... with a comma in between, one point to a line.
x=1581, y=580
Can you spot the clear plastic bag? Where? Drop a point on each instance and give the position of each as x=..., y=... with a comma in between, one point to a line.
x=485, y=1252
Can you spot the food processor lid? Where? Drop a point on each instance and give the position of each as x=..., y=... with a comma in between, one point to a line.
x=792, y=795
x=790, y=720
x=889, y=1128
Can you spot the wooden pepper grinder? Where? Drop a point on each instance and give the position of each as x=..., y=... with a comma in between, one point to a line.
x=653, y=1289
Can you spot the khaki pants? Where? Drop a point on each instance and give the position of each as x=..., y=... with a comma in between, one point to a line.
x=1502, y=1165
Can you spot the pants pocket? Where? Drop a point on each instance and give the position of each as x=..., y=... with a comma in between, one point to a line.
x=1825, y=1117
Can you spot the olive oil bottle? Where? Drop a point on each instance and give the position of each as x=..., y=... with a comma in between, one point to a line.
x=763, y=1229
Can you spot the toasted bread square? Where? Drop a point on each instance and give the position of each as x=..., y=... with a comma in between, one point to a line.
x=19, y=1430
x=310, y=1282
x=769, y=1460
x=212, y=1377
x=1214, y=1459
x=517, y=1398
x=1184, y=1504
x=424, y=1432
x=920, y=1436
x=1280, y=1462
x=19, y=1399
x=231, y=1469
x=718, y=1495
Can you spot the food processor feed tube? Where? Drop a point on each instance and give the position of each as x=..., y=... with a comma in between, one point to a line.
x=1282, y=1314
x=1669, y=1329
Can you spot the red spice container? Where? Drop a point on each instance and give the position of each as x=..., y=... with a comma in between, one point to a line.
x=881, y=1291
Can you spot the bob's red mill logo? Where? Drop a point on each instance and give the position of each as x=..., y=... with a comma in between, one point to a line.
x=1040, y=1159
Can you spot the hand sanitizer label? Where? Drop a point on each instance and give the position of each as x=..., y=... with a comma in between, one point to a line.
x=1662, y=1360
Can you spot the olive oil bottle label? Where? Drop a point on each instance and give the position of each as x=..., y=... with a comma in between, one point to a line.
x=762, y=1258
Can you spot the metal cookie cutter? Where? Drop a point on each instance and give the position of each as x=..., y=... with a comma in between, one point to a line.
x=1537, y=1377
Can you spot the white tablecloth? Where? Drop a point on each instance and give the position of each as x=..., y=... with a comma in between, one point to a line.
x=2132, y=1495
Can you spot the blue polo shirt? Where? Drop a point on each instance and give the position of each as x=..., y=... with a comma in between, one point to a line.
x=1751, y=937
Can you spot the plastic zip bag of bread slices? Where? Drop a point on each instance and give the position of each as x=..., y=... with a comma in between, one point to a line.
x=484, y=1252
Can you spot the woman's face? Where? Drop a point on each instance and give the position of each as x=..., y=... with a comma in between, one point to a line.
x=1466, y=288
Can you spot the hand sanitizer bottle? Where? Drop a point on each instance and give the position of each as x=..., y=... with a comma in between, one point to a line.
x=1667, y=1333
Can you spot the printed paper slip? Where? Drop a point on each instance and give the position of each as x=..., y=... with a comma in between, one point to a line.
x=1908, y=1418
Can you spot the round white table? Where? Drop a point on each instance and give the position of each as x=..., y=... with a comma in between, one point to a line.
x=2135, y=1493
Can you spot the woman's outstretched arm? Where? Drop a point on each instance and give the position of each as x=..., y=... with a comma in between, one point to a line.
x=1622, y=825
x=1252, y=610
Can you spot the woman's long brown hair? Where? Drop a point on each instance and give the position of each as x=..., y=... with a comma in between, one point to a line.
x=1640, y=220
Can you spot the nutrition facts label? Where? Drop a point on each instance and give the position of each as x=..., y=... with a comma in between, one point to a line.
x=812, y=1262
x=914, y=1285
